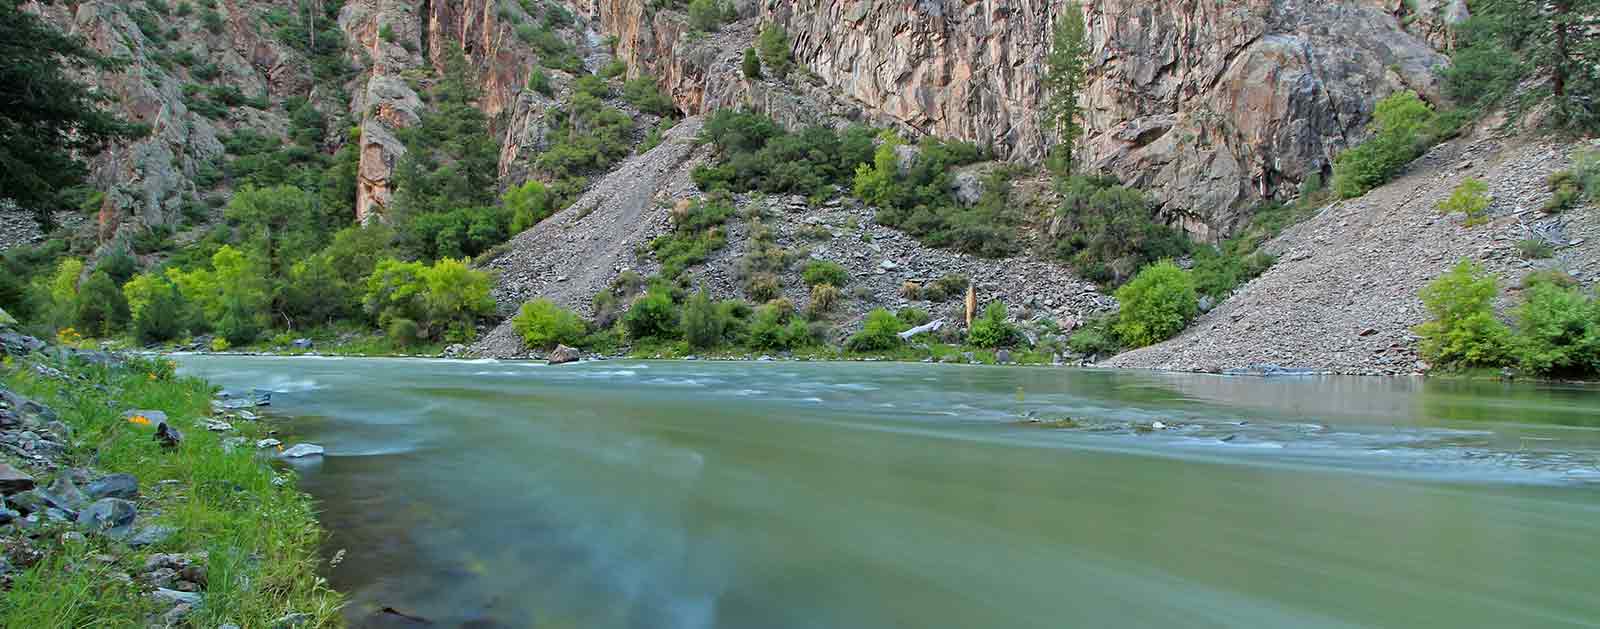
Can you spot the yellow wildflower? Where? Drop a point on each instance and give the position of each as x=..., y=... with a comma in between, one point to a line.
x=139, y=419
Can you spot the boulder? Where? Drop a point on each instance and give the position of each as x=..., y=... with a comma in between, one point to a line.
x=20, y=344
x=1002, y=356
x=563, y=355
x=268, y=443
x=113, y=516
x=304, y=344
x=66, y=493
x=13, y=480
x=302, y=450
x=124, y=486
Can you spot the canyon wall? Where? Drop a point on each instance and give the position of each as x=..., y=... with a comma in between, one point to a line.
x=1210, y=105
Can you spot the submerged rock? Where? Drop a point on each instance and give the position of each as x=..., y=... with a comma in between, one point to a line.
x=302, y=450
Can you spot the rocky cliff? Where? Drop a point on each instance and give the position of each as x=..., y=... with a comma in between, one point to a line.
x=1210, y=105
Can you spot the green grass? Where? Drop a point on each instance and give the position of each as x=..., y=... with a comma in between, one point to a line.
x=905, y=353
x=261, y=539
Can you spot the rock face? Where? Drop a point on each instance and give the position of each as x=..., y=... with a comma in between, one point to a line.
x=1210, y=105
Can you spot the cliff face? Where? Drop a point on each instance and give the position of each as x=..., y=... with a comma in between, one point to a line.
x=154, y=177
x=398, y=43
x=1210, y=105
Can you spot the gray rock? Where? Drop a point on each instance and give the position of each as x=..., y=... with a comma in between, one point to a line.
x=233, y=443
x=301, y=344
x=151, y=535
x=112, y=516
x=563, y=355
x=114, y=486
x=174, y=597
x=1002, y=356
x=66, y=492
x=302, y=450
x=268, y=443
x=13, y=480
x=20, y=344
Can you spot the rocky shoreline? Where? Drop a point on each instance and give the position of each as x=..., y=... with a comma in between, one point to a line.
x=122, y=480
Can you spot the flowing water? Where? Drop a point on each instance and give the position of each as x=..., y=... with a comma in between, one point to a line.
x=778, y=495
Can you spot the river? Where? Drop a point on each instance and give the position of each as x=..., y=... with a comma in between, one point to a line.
x=779, y=495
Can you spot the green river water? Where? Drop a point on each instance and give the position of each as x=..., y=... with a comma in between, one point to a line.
x=817, y=495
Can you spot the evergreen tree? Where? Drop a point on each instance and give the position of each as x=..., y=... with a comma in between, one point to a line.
x=48, y=121
x=1064, y=77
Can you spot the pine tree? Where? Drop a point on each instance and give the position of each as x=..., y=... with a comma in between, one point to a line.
x=1065, y=69
x=48, y=121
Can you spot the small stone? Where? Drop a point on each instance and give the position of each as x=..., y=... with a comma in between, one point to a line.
x=301, y=344
x=1002, y=356
x=1367, y=332
x=114, y=486
x=174, y=597
x=248, y=416
x=302, y=450
x=66, y=493
x=268, y=443
x=1158, y=425
x=217, y=425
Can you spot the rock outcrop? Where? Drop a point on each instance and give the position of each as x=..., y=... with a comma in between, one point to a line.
x=1210, y=105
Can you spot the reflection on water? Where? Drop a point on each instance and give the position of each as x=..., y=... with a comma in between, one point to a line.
x=661, y=494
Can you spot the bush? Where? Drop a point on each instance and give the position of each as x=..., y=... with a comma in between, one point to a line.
x=695, y=235
x=704, y=323
x=1470, y=197
x=992, y=328
x=1156, y=305
x=539, y=82
x=946, y=287
x=652, y=316
x=1097, y=337
x=445, y=300
x=1558, y=332
x=1402, y=128
x=529, y=203
x=1535, y=249
x=1464, y=331
x=644, y=93
x=155, y=308
x=543, y=325
x=774, y=328
x=402, y=332
x=824, y=272
x=880, y=333
x=705, y=15
x=773, y=46
x=824, y=298
x=1111, y=230
x=763, y=287
x=1217, y=271
x=751, y=65
x=756, y=154
x=912, y=317
x=102, y=309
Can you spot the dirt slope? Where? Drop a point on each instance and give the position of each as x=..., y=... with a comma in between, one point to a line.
x=1343, y=296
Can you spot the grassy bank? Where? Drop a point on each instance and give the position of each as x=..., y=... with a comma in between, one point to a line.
x=259, y=533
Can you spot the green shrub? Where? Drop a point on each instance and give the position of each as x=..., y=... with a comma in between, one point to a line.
x=644, y=93
x=1218, y=270
x=614, y=69
x=824, y=272
x=1463, y=331
x=773, y=46
x=402, y=332
x=880, y=333
x=211, y=20
x=543, y=325
x=1402, y=128
x=528, y=203
x=1535, y=249
x=444, y=300
x=704, y=323
x=696, y=234
x=1470, y=197
x=912, y=317
x=775, y=328
x=1110, y=230
x=1096, y=337
x=155, y=307
x=1156, y=305
x=992, y=328
x=946, y=287
x=1558, y=332
x=539, y=82
x=705, y=15
x=652, y=316
x=102, y=309
x=763, y=287
x=751, y=65
x=754, y=153
x=824, y=298
x=917, y=199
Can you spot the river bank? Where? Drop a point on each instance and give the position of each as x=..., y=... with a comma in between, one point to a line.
x=133, y=497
